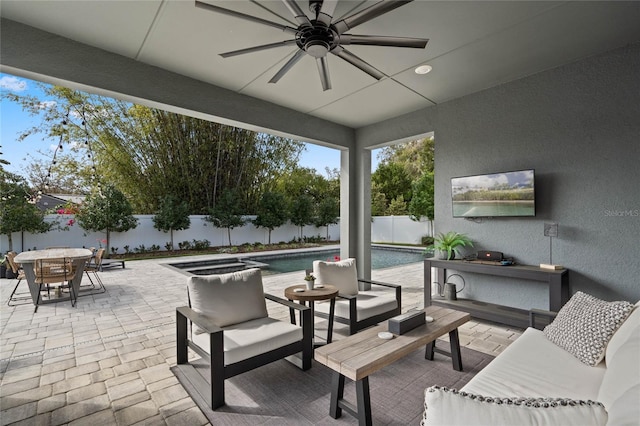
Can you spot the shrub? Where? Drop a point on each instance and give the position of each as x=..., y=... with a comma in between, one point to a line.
x=426, y=240
x=201, y=244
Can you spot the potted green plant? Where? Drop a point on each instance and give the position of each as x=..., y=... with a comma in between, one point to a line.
x=450, y=243
x=311, y=280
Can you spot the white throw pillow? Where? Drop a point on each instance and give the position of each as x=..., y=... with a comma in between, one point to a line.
x=623, y=333
x=585, y=324
x=341, y=274
x=450, y=407
x=623, y=371
x=228, y=298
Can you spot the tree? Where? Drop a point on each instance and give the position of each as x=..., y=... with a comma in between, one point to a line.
x=106, y=211
x=148, y=153
x=401, y=166
x=393, y=181
x=172, y=215
x=302, y=212
x=305, y=181
x=227, y=212
x=68, y=175
x=378, y=201
x=422, y=203
x=328, y=213
x=397, y=207
x=416, y=156
x=17, y=212
x=272, y=212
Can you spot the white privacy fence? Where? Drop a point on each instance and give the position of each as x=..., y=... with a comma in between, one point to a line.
x=384, y=229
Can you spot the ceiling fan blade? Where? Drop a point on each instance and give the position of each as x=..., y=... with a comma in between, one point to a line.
x=323, y=69
x=358, y=63
x=290, y=63
x=257, y=48
x=368, y=14
x=301, y=17
x=326, y=11
x=207, y=6
x=372, y=40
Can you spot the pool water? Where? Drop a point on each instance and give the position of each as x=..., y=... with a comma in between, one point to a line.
x=380, y=258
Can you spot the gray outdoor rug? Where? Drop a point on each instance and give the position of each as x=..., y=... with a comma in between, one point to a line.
x=282, y=394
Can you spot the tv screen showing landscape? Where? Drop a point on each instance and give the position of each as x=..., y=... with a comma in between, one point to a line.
x=505, y=194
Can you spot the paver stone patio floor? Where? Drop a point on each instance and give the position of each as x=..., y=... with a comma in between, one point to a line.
x=107, y=360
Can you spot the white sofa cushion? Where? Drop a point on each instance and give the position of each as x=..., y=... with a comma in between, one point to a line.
x=251, y=338
x=228, y=298
x=626, y=409
x=341, y=274
x=585, y=325
x=449, y=407
x=623, y=333
x=368, y=304
x=532, y=367
x=623, y=371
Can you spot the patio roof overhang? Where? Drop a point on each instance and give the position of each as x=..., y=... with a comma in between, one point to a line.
x=164, y=54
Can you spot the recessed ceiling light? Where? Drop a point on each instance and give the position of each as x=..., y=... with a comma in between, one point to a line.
x=423, y=69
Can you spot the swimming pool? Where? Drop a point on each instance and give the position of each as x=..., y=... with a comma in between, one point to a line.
x=380, y=258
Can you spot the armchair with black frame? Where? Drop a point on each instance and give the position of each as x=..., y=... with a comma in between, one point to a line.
x=232, y=333
x=354, y=307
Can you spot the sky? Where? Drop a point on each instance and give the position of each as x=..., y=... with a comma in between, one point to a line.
x=14, y=120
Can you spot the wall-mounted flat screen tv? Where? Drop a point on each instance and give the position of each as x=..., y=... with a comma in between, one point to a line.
x=506, y=194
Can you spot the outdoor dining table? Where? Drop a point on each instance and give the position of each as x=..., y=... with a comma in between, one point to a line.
x=78, y=258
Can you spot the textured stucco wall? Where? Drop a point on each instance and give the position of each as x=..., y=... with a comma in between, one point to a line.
x=578, y=126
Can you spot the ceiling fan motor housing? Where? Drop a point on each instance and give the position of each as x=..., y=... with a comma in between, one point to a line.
x=316, y=40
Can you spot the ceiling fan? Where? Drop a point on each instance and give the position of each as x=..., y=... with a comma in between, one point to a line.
x=319, y=36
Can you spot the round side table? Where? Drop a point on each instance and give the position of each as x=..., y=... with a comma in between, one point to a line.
x=326, y=292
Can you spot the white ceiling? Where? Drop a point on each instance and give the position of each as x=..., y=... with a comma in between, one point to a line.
x=473, y=46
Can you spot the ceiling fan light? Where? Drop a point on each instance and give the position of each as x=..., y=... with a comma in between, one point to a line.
x=317, y=49
x=423, y=69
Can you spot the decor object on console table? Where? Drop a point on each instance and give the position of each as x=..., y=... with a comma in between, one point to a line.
x=550, y=230
x=451, y=242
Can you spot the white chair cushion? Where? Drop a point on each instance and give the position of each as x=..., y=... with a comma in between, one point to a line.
x=623, y=371
x=585, y=325
x=251, y=338
x=367, y=305
x=228, y=298
x=341, y=274
x=450, y=407
x=623, y=333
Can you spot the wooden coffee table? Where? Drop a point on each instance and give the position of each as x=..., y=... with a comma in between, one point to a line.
x=325, y=292
x=364, y=353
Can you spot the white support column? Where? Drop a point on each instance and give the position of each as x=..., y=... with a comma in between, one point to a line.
x=355, y=209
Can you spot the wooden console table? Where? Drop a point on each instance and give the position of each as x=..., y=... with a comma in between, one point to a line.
x=557, y=282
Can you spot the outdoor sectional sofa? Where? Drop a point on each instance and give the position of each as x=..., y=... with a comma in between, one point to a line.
x=583, y=369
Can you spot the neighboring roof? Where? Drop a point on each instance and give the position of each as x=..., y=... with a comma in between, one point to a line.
x=50, y=201
x=74, y=198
